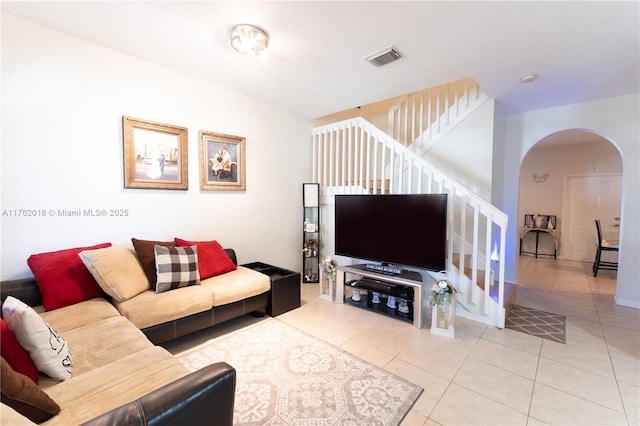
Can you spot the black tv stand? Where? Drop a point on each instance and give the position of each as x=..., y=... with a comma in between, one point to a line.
x=406, y=286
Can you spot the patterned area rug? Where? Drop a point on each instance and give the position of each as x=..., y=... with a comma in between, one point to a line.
x=537, y=323
x=287, y=377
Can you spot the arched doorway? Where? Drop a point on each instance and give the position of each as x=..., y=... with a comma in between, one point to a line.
x=574, y=175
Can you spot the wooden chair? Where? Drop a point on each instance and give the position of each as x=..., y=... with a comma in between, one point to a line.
x=604, y=246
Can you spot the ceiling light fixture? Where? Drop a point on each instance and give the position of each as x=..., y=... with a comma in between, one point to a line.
x=529, y=78
x=249, y=40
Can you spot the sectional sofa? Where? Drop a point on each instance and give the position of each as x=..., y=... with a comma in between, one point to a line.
x=100, y=333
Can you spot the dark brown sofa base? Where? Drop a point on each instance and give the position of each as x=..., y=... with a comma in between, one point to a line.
x=26, y=290
x=173, y=329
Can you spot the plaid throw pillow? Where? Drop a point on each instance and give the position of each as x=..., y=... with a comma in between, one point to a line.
x=176, y=267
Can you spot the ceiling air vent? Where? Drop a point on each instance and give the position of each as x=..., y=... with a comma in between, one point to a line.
x=384, y=57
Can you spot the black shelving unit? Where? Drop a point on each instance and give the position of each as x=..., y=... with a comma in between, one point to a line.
x=311, y=233
x=366, y=302
x=406, y=285
x=384, y=289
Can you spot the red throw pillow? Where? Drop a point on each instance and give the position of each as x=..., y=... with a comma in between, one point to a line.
x=62, y=277
x=15, y=354
x=212, y=259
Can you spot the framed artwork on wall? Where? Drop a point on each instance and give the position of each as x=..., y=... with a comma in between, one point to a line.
x=222, y=162
x=155, y=155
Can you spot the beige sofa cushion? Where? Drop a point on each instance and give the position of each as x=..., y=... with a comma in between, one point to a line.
x=74, y=316
x=236, y=285
x=150, y=308
x=100, y=390
x=117, y=271
x=102, y=342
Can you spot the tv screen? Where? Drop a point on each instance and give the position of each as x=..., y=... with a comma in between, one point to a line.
x=403, y=229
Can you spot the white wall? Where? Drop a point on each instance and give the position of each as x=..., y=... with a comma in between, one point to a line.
x=497, y=182
x=63, y=99
x=547, y=196
x=558, y=162
x=466, y=153
x=616, y=119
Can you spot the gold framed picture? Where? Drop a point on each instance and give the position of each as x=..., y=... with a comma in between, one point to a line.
x=222, y=162
x=155, y=155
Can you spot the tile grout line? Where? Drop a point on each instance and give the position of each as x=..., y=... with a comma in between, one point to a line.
x=604, y=337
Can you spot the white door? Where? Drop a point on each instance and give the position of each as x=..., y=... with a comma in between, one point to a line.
x=589, y=198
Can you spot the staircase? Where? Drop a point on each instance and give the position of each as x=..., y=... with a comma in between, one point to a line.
x=421, y=119
x=353, y=156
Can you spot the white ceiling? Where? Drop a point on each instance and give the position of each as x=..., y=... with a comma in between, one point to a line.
x=580, y=50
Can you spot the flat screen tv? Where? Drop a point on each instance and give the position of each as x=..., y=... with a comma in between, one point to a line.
x=403, y=230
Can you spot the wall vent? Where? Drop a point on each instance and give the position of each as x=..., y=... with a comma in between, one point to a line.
x=383, y=57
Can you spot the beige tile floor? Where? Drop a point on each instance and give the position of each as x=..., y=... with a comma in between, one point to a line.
x=497, y=376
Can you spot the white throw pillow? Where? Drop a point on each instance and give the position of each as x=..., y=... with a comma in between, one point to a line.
x=48, y=350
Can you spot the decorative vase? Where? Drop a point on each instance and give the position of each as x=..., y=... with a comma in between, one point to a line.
x=356, y=295
x=391, y=302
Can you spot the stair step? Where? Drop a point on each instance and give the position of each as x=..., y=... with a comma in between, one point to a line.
x=467, y=270
x=509, y=288
x=382, y=186
x=456, y=259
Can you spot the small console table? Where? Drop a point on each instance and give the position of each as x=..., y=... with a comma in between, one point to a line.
x=285, y=287
x=406, y=286
x=555, y=234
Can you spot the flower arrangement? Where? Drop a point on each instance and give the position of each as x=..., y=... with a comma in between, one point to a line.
x=440, y=293
x=329, y=268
